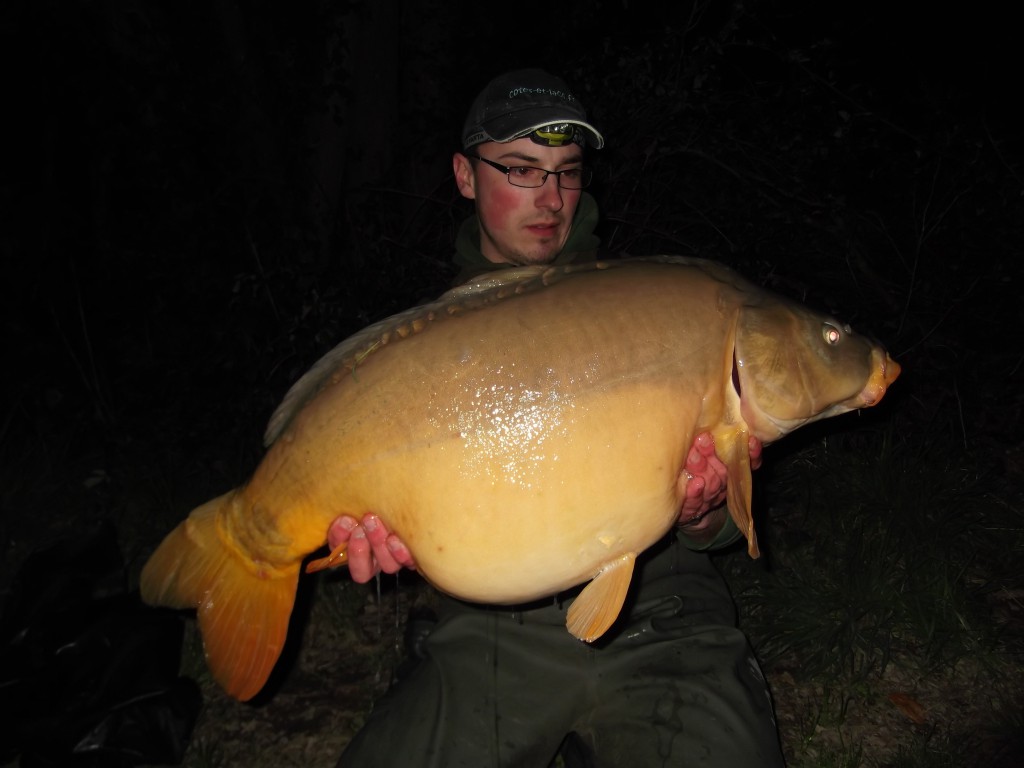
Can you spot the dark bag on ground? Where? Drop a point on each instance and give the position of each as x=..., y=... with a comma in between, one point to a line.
x=88, y=674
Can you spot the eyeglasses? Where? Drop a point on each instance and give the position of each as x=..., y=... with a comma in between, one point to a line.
x=530, y=177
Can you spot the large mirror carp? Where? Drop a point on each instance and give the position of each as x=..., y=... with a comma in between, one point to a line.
x=559, y=400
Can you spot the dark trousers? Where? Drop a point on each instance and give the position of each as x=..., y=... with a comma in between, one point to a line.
x=673, y=684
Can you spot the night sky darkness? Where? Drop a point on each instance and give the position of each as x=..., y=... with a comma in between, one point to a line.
x=200, y=199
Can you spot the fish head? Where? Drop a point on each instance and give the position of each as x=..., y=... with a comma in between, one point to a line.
x=793, y=366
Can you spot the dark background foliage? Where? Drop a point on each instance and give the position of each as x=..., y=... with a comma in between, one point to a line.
x=199, y=199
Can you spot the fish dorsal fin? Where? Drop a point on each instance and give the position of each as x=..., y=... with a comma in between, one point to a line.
x=600, y=602
x=732, y=448
x=490, y=280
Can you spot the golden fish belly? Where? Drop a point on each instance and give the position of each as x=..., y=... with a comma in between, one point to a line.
x=507, y=483
x=520, y=525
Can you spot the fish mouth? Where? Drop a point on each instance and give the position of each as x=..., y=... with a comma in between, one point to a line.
x=892, y=370
x=886, y=371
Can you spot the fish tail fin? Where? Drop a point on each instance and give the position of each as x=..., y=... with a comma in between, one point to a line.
x=243, y=608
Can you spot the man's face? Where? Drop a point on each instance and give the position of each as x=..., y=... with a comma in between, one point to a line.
x=518, y=225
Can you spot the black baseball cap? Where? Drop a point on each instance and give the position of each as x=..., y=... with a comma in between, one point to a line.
x=528, y=102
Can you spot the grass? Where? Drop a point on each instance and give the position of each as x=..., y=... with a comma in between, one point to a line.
x=884, y=557
x=205, y=755
x=877, y=547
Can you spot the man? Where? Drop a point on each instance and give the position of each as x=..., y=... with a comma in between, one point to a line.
x=673, y=682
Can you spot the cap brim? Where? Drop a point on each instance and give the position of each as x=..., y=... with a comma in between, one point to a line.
x=511, y=127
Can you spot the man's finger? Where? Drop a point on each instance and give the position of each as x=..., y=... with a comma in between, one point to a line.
x=377, y=535
x=401, y=552
x=755, y=447
x=361, y=564
x=340, y=530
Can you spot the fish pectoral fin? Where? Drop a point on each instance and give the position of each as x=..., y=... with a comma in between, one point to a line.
x=599, y=604
x=735, y=453
x=338, y=556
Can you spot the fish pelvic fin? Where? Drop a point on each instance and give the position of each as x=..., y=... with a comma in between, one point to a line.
x=243, y=607
x=337, y=557
x=599, y=604
x=733, y=449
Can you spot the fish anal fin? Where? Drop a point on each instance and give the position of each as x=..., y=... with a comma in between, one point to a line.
x=599, y=604
x=735, y=453
x=243, y=608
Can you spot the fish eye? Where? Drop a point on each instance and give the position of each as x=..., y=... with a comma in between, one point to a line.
x=832, y=334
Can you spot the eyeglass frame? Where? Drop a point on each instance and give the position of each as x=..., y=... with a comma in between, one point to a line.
x=507, y=170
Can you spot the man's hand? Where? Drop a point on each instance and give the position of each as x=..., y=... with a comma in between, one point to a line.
x=371, y=547
x=705, y=477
